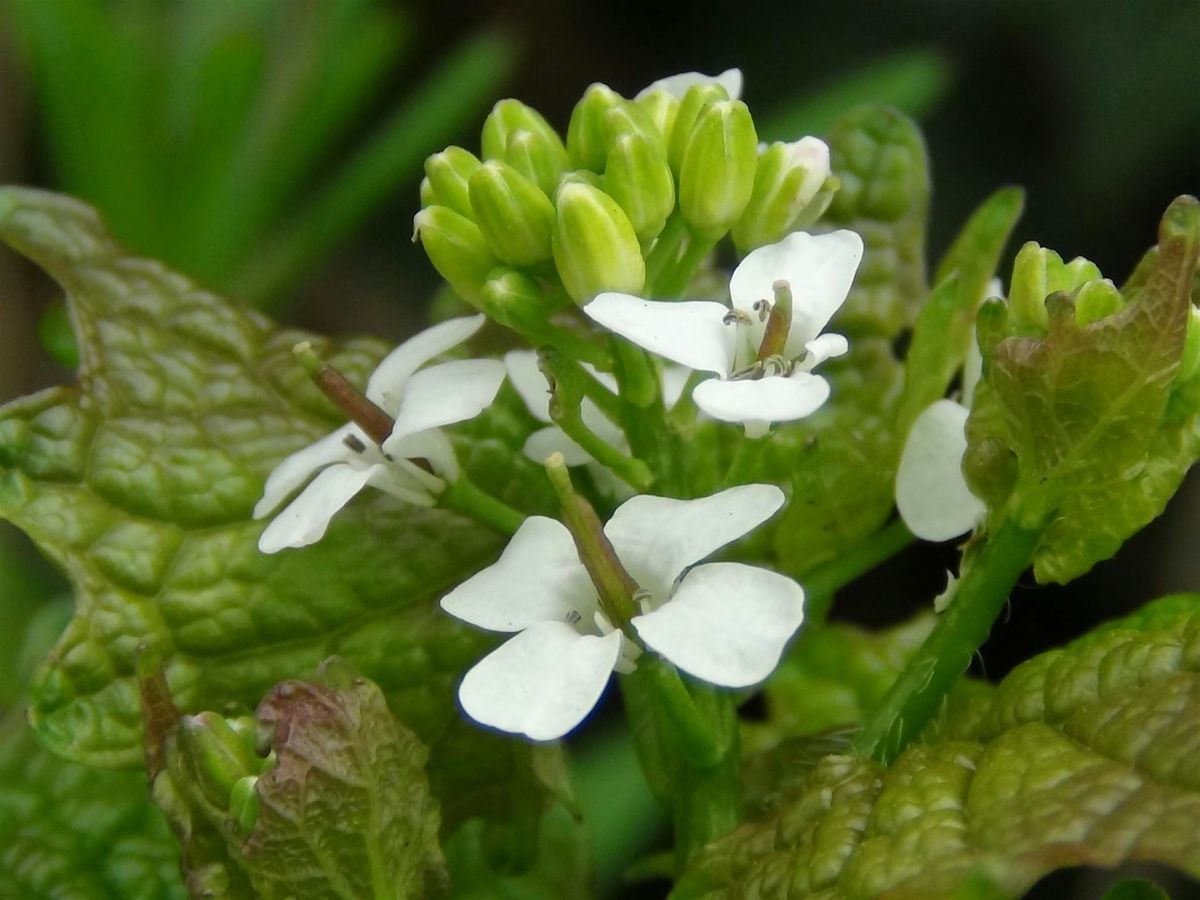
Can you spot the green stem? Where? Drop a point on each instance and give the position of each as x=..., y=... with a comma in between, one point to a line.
x=643, y=418
x=823, y=582
x=933, y=670
x=749, y=451
x=674, y=280
x=665, y=252
x=463, y=496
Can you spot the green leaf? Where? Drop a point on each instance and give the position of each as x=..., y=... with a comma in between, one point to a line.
x=945, y=324
x=342, y=809
x=1074, y=428
x=68, y=830
x=139, y=482
x=879, y=157
x=1081, y=756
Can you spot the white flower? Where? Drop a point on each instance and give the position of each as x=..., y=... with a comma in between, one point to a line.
x=677, y=85
x=725, y=623
x=347, y=460
x=531, y=385
x=931, y=492
x=707, y=336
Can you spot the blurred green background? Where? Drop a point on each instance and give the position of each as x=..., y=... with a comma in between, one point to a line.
x=272, y=149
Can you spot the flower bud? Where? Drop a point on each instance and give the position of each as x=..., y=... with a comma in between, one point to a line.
x=219, y=755
x=428, y=197
x=660, y=107
x=587, y=132
x=638, y=178
x=787, y=179
x=510, y=116
x=515, y=300
x=628, y=118
x=717, y=175
x=1037, y=273
x=697, y=99
x=538, y=159
x=244, y=804
x=595, y=247
x=1097, y=300
x=1189, y=363
x=448, y=173
x=512, y=212
x=457, y=249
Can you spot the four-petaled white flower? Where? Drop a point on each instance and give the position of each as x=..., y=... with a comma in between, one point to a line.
x=709, y=337
x=347, y=460
x=677, y=85
x=932, y=496
x=725, y=623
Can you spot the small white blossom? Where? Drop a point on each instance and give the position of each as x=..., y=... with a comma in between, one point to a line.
x=709, y=337
x=725, y=623
x=932, y=496
x=677, y=85
x=347, y=460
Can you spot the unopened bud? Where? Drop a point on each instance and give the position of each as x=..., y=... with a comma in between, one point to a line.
x=716, y=178
x=1038, y=273
x=513, y=214
x=695, y=101
x=457, y=249
x=514, y=299
x=587, y=132
x=540, y=160
x=1189, y=363
x=787, y=179
x=448, y=173
x=218, y=754
x=638, y=178
x=595, y=246
x=627, y=118
x=428, y=197
x=510, y=116
x=1097, y=300
x=660, y=107
x=244, y=804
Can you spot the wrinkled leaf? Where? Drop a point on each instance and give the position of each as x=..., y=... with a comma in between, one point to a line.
x=879, y=157
x=1081, y=756
x=342, y=808
x=139, y=483
x=1082, y=413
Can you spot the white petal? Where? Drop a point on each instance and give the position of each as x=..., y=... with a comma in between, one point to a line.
x=813, y=154
x=821, y=348
x=553, y=439
x=657, y=537
x=677, y=85
x=818, y=267
x=931, y=493
x=602, y=426
x=763, y=400
x=386, y=385
x=297, y=468
x=432, y=445
x=690, y=332
x=538, y=578
x=541, y=683
x=529, y=382
x=305, y=519
x=444, y=394
x=727, y=623
x=674, y=380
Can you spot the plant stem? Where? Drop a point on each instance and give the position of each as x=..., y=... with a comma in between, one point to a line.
x=823, y=582
x=748, y=452
x=674, y=280
x=465, y=497
x=932, y=671
x=665, y=253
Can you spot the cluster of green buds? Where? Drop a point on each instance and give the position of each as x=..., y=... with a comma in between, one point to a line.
x=537, y=221
x=220, y=756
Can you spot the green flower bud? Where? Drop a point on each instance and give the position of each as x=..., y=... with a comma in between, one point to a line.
x=660, y=107
x=595, y=247
x=787, y=179
x=457, y=249
x=1189, y=363
x=579, y=176
x=513, y=214
x=717, y=175
x=587, y=132
x=1038, y=273
x=538, y=159
x=628, y=118
x=1097, y=300
x=448, y=173
x=218, y=754
x=428, y=197
x=510, y=116
x=638, y=178
x=697, y=99
x=244, y=804
x=515, y=299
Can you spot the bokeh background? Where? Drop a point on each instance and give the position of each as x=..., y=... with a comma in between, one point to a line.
x=272, y=150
